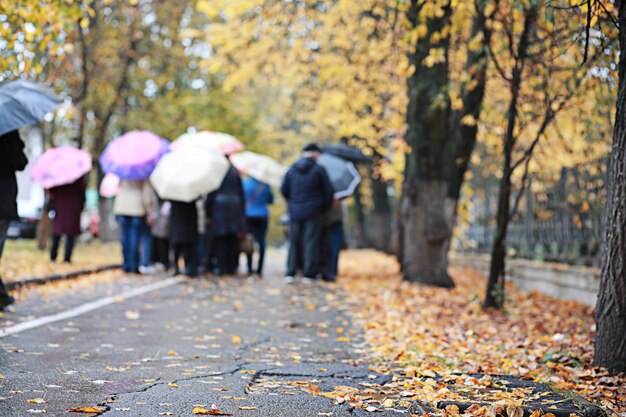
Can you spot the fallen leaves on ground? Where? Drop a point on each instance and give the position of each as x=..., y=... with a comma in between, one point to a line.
x=419, y=332
x=23, y=260
x=87, y=409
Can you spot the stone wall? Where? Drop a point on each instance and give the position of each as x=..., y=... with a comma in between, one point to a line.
x=558, y=280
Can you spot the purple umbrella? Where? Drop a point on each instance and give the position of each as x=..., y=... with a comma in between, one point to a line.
x=133, y=155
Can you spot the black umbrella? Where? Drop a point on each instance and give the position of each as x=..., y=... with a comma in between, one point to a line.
x=24, y=102
x=347, y=152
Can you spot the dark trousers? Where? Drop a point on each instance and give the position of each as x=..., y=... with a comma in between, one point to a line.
x=304, y=246
x=5, y=298
x=69, y=247
x=161, y=251
x=257, y=227
x=227, y=254
x=188, y=252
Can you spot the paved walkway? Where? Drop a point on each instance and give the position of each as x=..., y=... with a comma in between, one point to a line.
x=251, y=347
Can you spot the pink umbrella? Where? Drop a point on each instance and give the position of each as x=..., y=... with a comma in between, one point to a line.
x=110, y=185
x=133, y=155
x=60, y=166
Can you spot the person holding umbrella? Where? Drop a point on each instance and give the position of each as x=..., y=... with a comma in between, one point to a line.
x=258, y=197
x=62, y=171
x=68, y=201
x=12, y=159
x=184, y=235
x=226, y=209
x=132, y=157
x=309, y=194
x=132, y=208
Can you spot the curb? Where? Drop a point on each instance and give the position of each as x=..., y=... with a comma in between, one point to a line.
x=58, y=277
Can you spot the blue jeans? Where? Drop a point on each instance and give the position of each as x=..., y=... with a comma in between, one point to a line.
x=146, y=244
x=134, y=231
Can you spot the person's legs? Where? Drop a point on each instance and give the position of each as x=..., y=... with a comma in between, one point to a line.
x=5, y=298
x=134, y=237
x=177, y=253
x=311, y=246
x=54, y=248
x=201, y=252
x=69, y=248
x=294, y=258
x=124, y=222
x=190, y=254
x=234, y=264
x=262, y=233
x=335, y=241
x=146, y=242
x=253, y=229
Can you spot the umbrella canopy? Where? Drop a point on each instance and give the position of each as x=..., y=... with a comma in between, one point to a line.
x=260, y=167
x=133, y=155
x=343, y=175
x=60, y=166
x=347, y=152
x=24, y=102
x=222, y=142
x=110, y=185
x=186, y=174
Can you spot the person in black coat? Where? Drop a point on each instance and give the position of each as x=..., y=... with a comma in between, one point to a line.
x=184, y=235
x=226, y=210
x=309, y=194
x=69, y=201
x=12, y=159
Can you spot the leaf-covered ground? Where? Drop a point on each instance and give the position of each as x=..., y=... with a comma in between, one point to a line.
x=424, y=333
x=22, y=259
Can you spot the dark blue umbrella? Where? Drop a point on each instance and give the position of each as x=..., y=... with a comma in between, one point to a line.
x=347, y=152
x=24, y=102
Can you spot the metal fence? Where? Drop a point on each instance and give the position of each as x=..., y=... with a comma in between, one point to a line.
x=558, y=221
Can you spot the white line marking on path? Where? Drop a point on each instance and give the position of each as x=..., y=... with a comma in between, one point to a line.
x=87, y=307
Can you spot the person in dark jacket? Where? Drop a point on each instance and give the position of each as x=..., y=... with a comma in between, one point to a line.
x=226, y=210
x=184, y=235
x=258, y=197
x=309, y=195
x=12, y=159
x=69, y=201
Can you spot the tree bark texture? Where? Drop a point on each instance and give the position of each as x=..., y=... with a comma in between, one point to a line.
x=441, y=146
x=428, y=212
x=610, y=343
x=425, y=235
x=381, y=217
x=494, y=296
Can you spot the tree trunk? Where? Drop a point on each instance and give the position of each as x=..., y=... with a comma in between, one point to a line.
x=494, y=296
x=359, y=238
x=381, y=229
x=427, y=213
x=610, y=343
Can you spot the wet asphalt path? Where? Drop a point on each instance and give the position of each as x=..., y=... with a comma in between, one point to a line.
x=251, y=347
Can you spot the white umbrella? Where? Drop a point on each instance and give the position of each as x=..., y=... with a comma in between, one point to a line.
x=186, y=174
x=260, y=167
x=222, y=142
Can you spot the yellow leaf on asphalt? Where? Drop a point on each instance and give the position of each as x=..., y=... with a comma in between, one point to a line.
x=2, y=377
x=171, y=353
x=172, y=385
x=236, y=340
x=36, y=401
x=343, y=339
x=242, y=407
x=86, y=409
